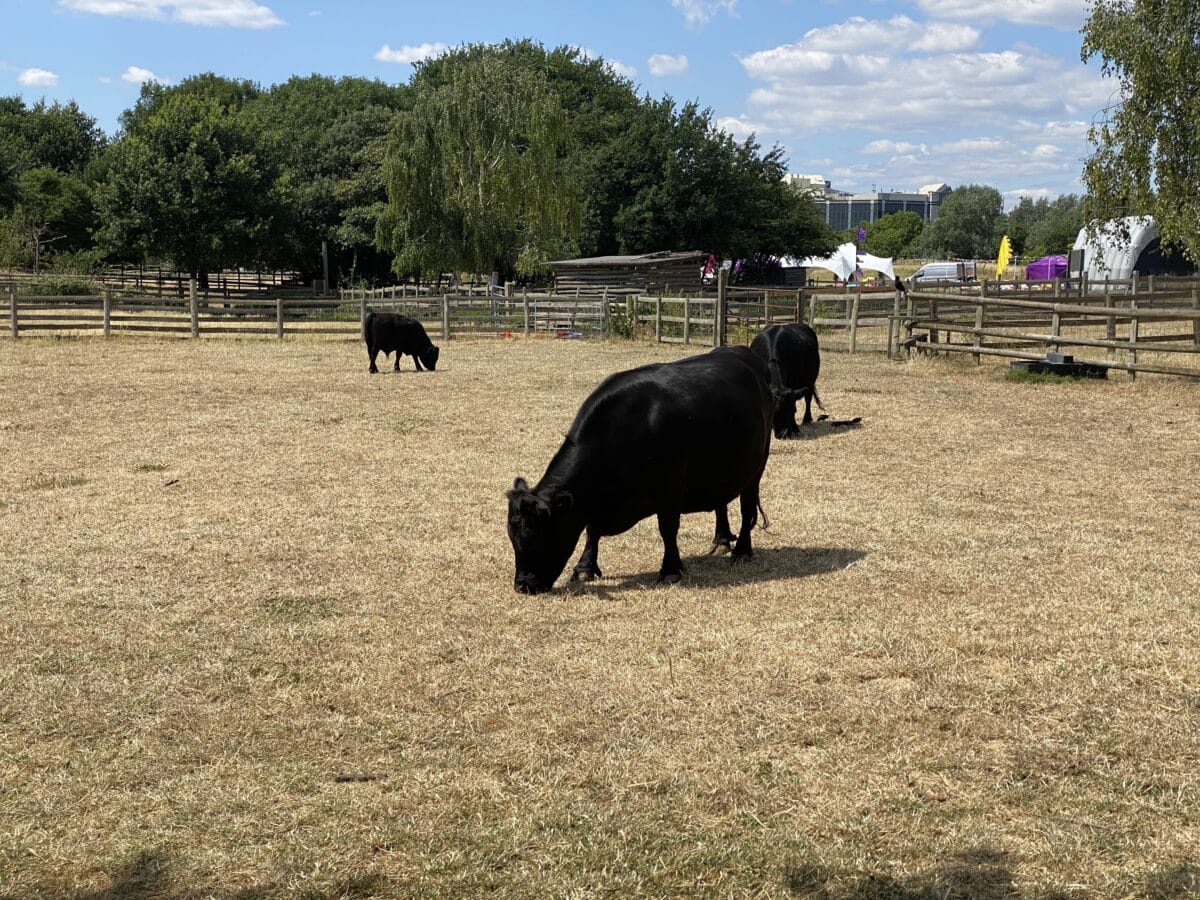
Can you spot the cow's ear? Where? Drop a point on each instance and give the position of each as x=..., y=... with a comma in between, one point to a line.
x=520, y=485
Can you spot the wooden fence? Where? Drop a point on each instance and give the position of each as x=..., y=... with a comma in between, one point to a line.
x=1137, y=332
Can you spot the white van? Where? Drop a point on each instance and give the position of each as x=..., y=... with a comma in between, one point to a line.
x=944, y=271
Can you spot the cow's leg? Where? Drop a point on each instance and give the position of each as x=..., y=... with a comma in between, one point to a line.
x=808, y=395
x=417, y=362
x=588, y=567
x=723, y=536
x=749, y=502
x=793, y=430
x=372, y=352
x=396, y=364
x=672, y=565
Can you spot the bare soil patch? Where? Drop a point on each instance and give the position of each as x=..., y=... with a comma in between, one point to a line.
x=260, y=639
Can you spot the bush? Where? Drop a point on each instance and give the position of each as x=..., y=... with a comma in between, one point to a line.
x=76, y=262
x=61, y=286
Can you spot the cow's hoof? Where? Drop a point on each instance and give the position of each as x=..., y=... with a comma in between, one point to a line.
x=720, y=548
x=740, y=557
x=670, y=577
x=586, y=575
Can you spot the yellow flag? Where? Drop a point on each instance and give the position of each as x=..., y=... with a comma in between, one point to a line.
x=1004, y=256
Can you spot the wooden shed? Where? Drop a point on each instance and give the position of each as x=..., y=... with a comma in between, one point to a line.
x=652, y=273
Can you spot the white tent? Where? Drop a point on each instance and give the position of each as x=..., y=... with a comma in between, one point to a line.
x=877, y=264
x=1108, y=256
x=843, y=263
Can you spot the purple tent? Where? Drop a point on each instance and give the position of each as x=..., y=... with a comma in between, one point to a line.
x=1046, y=269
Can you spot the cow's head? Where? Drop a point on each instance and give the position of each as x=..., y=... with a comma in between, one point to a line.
x=542, y=539
x=784, y=402
x=429, y=357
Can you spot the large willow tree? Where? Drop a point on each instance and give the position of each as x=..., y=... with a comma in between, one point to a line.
x=1147, y=156
x=478, y=175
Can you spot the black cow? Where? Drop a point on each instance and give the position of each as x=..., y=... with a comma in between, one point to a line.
x=794, y=360
x=663, y=440
x=388, y=333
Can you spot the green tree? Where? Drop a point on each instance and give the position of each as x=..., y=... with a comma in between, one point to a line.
x=329, y=137
x=188, y=182
x=969, y=224
x=1147, y=149
x=53, y=212
x=1041, y=227
x=55, y=136
x=477, y=177
x=894, y=235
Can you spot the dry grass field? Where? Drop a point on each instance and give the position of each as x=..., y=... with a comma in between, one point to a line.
x=963, y=662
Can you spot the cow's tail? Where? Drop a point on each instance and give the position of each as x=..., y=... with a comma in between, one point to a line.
x=367, y=323
x=765, y=524
x=817, y=399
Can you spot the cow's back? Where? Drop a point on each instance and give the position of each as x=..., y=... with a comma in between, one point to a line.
x=687, y=436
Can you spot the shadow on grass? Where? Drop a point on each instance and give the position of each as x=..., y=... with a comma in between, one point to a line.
x=980, y=874
x=814, y=431
x=767, y=564
x=148, y=877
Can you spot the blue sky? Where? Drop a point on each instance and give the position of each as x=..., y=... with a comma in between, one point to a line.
x=875, y=93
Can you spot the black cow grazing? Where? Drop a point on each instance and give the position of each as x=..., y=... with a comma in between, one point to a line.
x=663, y=440
x=794, y=360
x=388, y=332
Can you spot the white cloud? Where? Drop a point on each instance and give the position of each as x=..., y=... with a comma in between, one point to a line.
x=661, y=64
x=411, y=54
x=138, y=75
x=738, y=126
x=893, y=148
x=38, y=78
x=616, y=65
x=231, y=13
x=857, y=33
x=1064, y=14
x=699, y=12
x=104, y=79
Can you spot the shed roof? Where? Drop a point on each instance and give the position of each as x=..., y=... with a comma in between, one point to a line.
x=636, y=259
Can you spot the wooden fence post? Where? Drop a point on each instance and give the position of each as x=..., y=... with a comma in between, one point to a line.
x=687, y=320
x=719, y=308
x=604, y=310
x=894, y=327
x=933, y=317
x=193, y=307
x=909, y=312
x=525, y=309
x=1055, y=329
x=766, y=309
x=1196, y=322
x=979, y=310
x=13, y=316
x=107, y=311
x=658, y=318
x=362, y=307
x=1110, y=327
x=1133, y=339
x=854, y=317
x=800, y=307
x=279, y=318
x=445, y=317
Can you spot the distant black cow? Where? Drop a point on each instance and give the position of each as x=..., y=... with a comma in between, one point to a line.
x=794, y=360
x=663, y=440
x=391, y=333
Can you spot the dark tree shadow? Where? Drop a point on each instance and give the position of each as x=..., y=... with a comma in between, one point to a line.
x=980, y=874
x=768, y=564
x=148, y=877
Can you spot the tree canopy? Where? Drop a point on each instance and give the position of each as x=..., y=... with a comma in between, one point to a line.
x=477, y=174
x=969, y=224
x=1147, y=148
x=188, y=182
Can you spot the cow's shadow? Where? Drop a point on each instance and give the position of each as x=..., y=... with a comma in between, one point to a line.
x=822, y=429
x=767, y=564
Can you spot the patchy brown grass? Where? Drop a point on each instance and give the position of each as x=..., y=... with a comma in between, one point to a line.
x=962, y=663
